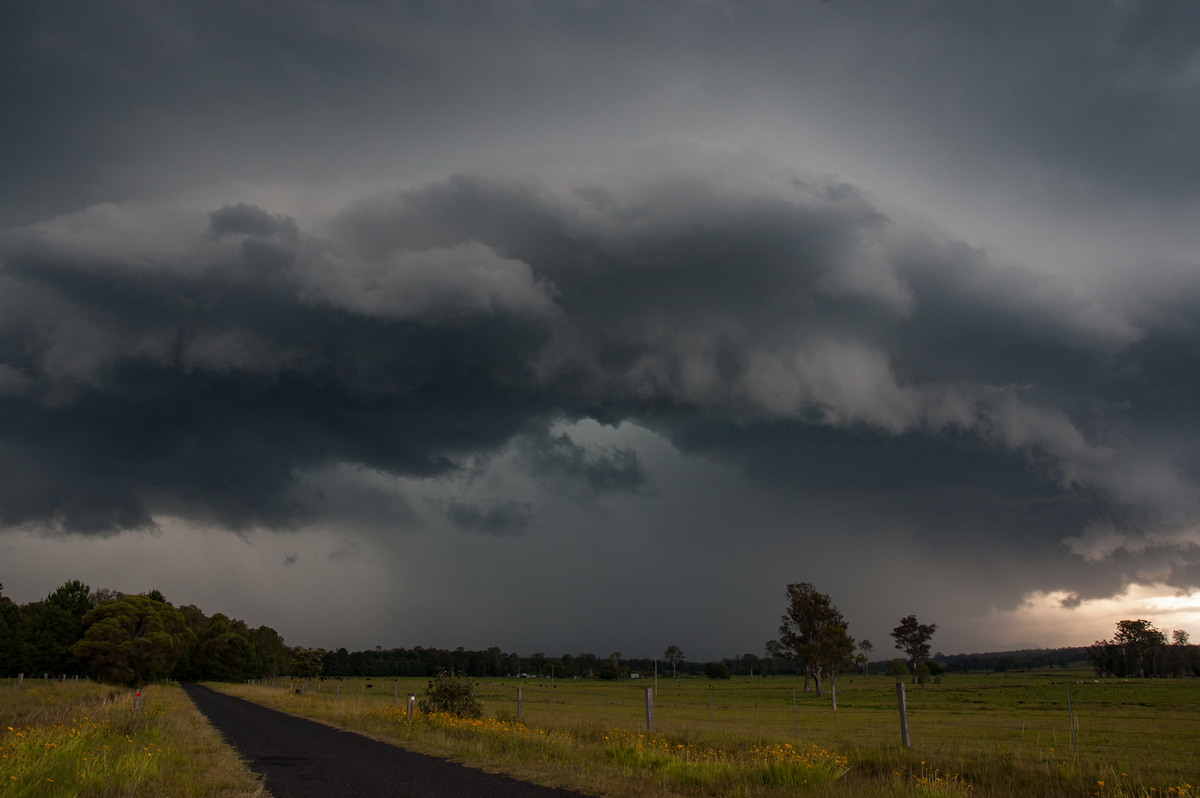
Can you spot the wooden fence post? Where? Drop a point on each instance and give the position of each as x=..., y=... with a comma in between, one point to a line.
x=903, y=704
x=650, y=709
x=519, y=716
x=1071, y=716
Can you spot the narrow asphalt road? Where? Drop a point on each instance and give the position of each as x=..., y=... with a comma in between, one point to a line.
x=303, y=759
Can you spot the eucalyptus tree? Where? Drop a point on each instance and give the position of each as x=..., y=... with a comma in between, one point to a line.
x=813, y=632
x=912, y=637
x=673, y=655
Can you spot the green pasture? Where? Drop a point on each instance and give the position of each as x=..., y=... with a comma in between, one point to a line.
x=989, y=728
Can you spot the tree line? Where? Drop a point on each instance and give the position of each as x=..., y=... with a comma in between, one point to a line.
x=132, y=639
x=1011, y=661
x=135, y=639
x=1140, y=649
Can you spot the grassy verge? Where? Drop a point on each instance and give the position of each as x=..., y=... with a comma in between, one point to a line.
x=610, y=762
x=976, y=736
x=84, y=739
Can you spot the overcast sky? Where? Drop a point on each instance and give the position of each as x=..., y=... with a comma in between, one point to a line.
x=589, y=326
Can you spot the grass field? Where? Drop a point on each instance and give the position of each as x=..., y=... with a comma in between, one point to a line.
x=63, y=739
x=986, y=735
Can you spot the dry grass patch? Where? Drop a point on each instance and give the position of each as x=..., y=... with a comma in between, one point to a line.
x=85, y=739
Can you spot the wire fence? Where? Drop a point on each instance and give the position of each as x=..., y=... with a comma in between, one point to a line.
x=1048, y=720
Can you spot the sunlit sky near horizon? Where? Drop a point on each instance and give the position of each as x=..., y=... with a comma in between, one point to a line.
x=579, y=326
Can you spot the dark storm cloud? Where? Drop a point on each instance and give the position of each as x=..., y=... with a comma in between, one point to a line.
x=249, y=219
x=228, y=367
x=604, y=470
x=212, y=316
x=500, y=519
x=200, y=379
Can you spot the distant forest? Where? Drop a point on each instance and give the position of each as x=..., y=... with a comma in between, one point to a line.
x=136, y=639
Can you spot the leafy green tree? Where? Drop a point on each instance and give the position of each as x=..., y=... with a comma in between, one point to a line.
x=271, y=652
x=54, y=626
x=912, y=637
x=189, y=668
x=673, y=655
x=452, y=692
x=813, y=631
x=307, y=663
x=1135, y=650
x=337, y=663
x=74, y=596
x=225, y=652
x=1139, y=642
x=12, y=632
x=132, y=640
x=234, y=660
x=835, y=653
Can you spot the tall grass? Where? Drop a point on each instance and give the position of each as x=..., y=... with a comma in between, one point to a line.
x=84, y=739
x=987, y=737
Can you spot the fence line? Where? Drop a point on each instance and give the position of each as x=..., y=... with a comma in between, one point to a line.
x=778, y=711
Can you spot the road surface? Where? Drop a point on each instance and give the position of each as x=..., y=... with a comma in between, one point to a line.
x=303, y=759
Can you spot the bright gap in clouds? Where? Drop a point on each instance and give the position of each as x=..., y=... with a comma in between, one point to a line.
x=1047, y=619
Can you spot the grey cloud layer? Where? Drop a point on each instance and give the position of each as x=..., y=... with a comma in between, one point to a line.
x=206, y=364
x=1082, y=100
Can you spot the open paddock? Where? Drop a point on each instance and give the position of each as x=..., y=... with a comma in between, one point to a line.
x=1002, y=734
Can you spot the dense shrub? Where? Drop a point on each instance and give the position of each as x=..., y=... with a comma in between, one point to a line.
x=451, y=692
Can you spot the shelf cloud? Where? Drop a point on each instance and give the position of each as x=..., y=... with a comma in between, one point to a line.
x=916, y=280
